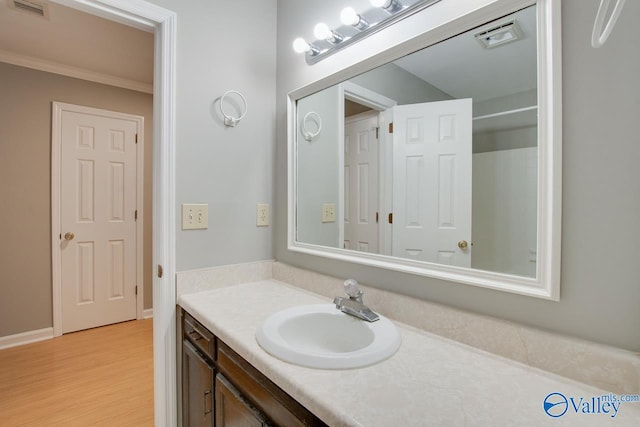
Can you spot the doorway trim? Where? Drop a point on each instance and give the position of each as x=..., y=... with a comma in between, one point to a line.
x=56, y=232
x=383, y=105
x=367, y=97
x=149, y=17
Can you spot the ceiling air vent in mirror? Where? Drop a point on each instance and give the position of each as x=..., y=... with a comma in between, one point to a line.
x=31, y=7
x=504, y=33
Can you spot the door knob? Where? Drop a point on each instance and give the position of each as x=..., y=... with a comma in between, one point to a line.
x=69, y=236
x=462, y=244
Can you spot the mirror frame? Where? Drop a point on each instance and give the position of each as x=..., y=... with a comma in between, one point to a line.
x=546, y=284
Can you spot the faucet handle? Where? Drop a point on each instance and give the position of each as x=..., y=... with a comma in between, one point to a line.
x=351, y=288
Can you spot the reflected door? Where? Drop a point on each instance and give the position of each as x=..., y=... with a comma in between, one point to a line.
x=432, y=182
x=98, y=203
x=361, y=183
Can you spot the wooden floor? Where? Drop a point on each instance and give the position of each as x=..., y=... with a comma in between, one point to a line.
x=97, y=377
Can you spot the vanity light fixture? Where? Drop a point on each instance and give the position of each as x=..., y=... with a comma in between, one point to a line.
x=356, y=26
x=349, y=16
x=504, y=33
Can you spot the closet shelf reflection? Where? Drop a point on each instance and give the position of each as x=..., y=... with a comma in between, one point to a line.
x=510, y=119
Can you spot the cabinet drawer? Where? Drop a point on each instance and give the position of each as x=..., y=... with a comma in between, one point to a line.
x=199, y=336
x=271, y=400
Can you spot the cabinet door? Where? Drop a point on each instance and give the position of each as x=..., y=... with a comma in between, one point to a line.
x=233, y=410
x=197, y=388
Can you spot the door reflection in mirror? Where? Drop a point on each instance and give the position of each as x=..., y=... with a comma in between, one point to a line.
x=436, y=148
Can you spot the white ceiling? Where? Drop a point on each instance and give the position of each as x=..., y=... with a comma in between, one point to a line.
x=476, y=72
x=75, y=39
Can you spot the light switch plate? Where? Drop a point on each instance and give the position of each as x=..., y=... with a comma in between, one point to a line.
x=262, y=215
x=328, y=212
x=195, y=216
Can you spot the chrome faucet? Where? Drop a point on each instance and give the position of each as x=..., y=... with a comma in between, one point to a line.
x=354, y=305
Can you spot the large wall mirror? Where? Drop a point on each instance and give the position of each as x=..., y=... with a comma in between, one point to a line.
x=444, y=162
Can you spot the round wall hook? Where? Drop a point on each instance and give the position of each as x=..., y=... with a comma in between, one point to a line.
x=315, y=117
x=599, y=35
x=228, y=119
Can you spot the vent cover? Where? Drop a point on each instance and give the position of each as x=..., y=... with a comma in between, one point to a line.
x=31, y=7
x=504, y=33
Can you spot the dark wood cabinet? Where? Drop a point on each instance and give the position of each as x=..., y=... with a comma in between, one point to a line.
x=220, y=388
x=198, y=374
x=233, y=409
x=197, y=388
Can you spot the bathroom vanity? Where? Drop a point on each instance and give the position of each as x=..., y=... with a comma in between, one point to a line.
x=219, y=386
x=430, y=380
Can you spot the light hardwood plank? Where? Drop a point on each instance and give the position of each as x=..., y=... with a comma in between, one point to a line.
x=98, y=377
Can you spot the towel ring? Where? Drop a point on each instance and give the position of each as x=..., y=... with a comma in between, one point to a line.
x=599, y=37
x=230, y=120
x=309, y=136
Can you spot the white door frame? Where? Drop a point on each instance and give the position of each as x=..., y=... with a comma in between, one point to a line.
x=56, y=169
x=152, y=18
x=348, y=120
x=379, y=103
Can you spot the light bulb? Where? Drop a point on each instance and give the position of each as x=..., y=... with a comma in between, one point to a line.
x=380, y=3
x=322, y=31
x=391, y=6
x=348, y=16
x=300, y=45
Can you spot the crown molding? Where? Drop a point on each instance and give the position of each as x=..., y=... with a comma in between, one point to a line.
x=75, y=72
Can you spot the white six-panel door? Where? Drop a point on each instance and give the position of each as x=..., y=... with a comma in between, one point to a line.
x=97, y=218
x=432, y=181
x=361, y=183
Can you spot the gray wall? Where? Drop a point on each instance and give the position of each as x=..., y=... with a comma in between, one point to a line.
x=25, y=186
x=400, y=85
x=222, y=47
x=319, y=185
x=600, y=291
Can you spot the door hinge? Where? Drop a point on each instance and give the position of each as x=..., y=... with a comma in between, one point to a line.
x=377, y=132
x=136, y=138
x=377, y=217
x=391, y=127
x=135, y=215
x=391, y=218
x=160, y=271
x=136, y=289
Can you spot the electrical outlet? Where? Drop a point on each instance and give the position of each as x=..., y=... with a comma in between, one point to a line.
x=328, y=212
x=195, y=216
x=262, y=215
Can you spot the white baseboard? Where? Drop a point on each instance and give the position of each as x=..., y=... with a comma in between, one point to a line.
x=25, y=338
x=147, y=313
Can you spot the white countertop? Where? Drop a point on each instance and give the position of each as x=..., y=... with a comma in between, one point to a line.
x=430, y=381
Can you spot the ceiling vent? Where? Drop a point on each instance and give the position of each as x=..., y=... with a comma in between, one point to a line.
x=31, y=7
x=504, y=33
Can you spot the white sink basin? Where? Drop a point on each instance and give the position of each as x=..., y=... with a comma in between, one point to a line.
x=321, y=336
